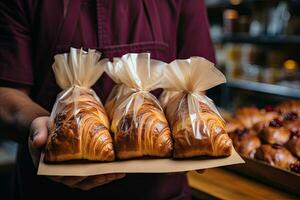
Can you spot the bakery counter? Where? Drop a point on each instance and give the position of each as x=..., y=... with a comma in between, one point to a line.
x=223, y=184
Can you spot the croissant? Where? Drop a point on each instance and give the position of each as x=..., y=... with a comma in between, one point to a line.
x=291, y=121
x=232, y=124
x=276, y=155
x=79, y=130
x=294, y=143
x=289, y=106
x=267, y=117
x=245, y=141
x=275, y=133
x=142, y=131
x=249, y=116
x=213, y=139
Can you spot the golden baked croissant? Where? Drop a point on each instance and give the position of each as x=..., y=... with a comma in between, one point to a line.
x=268, y=115
x=289, y=106
x=142, y=130
x=232, y=124
x=249, y=116
x=294, y=143
x=245, y=141
x=276, y=155
x=213, y=139
x=79, y=130
x=275, y=133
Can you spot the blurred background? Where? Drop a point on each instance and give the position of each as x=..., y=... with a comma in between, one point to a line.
x=257, y=44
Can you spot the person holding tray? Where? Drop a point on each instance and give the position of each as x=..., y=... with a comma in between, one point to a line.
x=32, y=32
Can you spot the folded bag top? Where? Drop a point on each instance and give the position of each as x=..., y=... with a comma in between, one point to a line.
x=78, y=125
x=138, y=122
x=197, y=127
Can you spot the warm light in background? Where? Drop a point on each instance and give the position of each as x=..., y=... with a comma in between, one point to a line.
x=235, y=2
x=290, y=65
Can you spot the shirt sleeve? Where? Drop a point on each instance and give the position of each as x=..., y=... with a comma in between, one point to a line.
x=15, y=43
x=193, y=31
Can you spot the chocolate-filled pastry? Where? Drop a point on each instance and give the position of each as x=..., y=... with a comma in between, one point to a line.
x=213, y=139
x=268, y=116
x=296, y=167
x=289, y=106
x=275, y=133
x=249, y=116
x=294, y=143
x=276, y=155
x=142, y=131
x=82, y=134
x=269, y=113
x=245, y=142
x=291, y=121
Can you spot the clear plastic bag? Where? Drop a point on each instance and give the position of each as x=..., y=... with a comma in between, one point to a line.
x=78, y=125
x=197, y=127
x=138, y=122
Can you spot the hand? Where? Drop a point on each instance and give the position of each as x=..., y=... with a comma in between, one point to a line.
x=37, y=140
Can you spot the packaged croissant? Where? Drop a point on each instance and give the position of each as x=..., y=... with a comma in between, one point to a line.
x=78, y=125
x=138, y=122
x=197, y=127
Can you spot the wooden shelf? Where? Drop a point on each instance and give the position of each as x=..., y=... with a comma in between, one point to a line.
x=221, y=184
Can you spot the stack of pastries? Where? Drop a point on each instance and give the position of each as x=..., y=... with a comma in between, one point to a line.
x=271, y=134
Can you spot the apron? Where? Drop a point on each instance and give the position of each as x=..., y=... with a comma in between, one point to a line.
x=133, y=186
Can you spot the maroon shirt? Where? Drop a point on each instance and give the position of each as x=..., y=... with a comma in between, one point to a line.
x=32, y=31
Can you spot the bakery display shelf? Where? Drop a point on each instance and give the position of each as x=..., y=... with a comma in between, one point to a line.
x=273, y=176
x=225, y=3
x=264, y=88
x=262, y=39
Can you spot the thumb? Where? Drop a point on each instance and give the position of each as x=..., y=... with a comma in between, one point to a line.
x=37, y=138
x=39, y=132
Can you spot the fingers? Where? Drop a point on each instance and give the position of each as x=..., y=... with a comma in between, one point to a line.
x=96, y=181
x=70, y=181
x=39, y=131
x=87, y=183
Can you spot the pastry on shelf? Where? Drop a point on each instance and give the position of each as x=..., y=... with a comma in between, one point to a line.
x=291, y=121
x=232, y=124
x=249, y=116
x=294, y=143
x=275, y=133
x=296, y=167
x=245, y=141
x=276, y=155
x=289, y=106
x=269, y=114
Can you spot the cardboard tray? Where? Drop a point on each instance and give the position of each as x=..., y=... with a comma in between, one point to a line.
x=134, y=166
x=273, y=176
